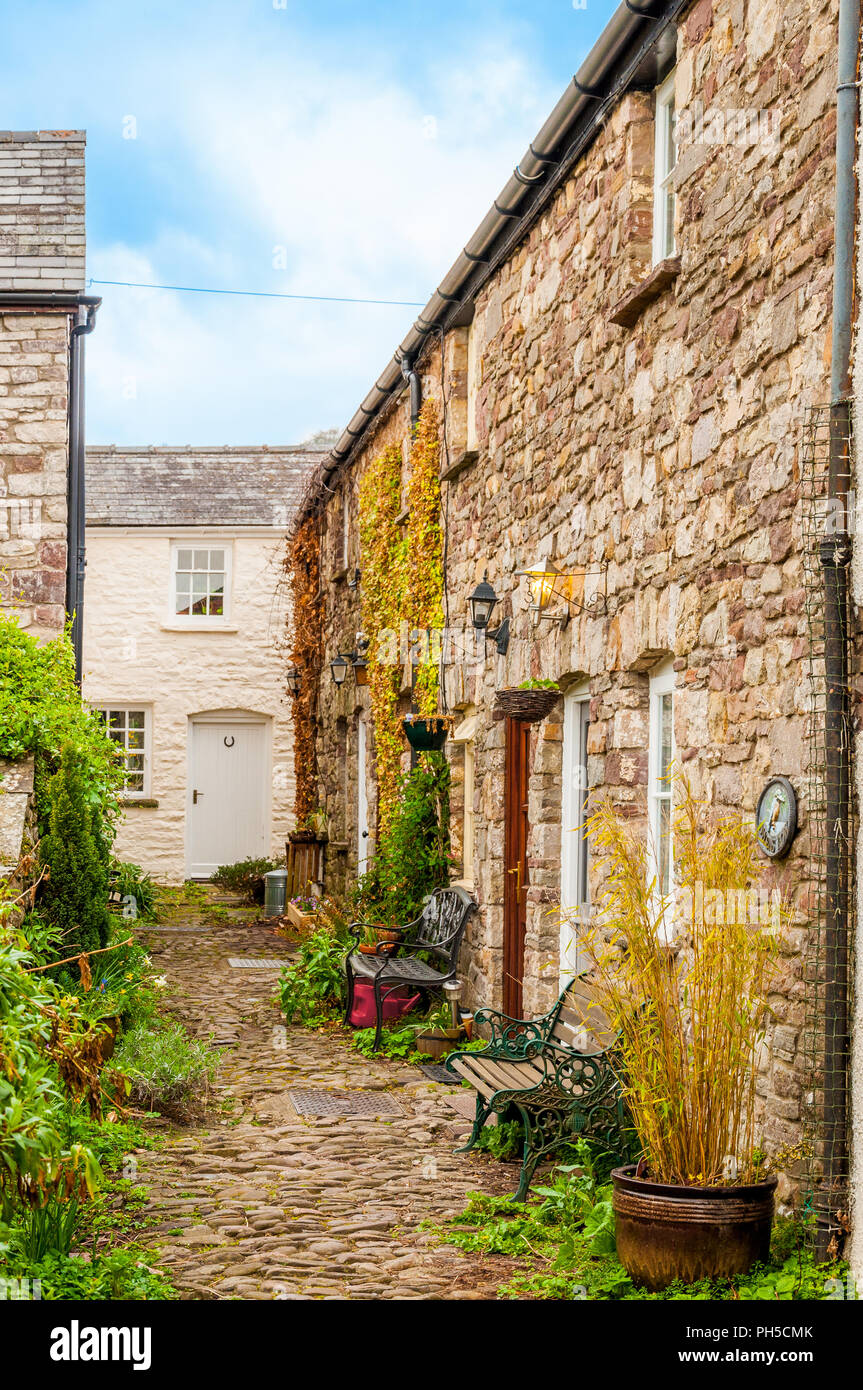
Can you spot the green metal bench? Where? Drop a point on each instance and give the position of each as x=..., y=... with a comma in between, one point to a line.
x=558, y=1073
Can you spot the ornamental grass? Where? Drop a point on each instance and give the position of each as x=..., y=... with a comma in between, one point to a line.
x=685, y=982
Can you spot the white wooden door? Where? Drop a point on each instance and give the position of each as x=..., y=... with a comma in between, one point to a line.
x=228, y=796
x=364, y=843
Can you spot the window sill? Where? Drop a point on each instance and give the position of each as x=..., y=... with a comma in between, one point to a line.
x=198, y=625
x=629, y=309
x=466, y=459
x=148, y=802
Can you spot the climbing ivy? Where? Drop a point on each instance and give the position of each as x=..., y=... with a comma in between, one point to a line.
x=305, y=646
x=423, y=598
x=382, y=560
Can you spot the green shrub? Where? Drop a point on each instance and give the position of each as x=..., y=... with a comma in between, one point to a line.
x=76, y=894
x=118, y=1274
x=413, y=858
x=41, y=710
x=135, y=888
x=246, y=877
x=167, y=1070
x=313, y=986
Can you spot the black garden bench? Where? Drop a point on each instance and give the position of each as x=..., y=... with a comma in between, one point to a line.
x=557, y=1071
x=436, y=933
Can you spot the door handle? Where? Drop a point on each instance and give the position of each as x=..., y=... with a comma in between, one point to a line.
x=195, y=795
x=517, y=872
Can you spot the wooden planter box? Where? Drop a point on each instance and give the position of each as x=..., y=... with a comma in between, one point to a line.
x=303, y=921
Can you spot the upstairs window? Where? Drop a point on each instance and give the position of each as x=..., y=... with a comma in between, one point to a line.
x=664, y=164
x=201, y=577
x=129, y=728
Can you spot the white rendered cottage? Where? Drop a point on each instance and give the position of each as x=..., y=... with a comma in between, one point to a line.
x=183, y=615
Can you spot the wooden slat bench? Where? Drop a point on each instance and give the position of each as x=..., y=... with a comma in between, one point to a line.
x=437, y=933
x=556, y=1071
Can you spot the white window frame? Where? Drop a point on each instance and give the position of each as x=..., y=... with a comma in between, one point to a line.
x=664, y=164
x=129, y=707
x=201, y=620
x=660, y=790
x=574, y=857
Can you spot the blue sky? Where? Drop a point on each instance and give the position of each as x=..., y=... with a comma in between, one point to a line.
x=331, y=148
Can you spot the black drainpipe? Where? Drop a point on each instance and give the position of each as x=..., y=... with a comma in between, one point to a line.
x=416, y=391
x=835, y=555
x=77, y=519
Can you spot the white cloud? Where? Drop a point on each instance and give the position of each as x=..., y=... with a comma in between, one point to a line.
x=335, y=165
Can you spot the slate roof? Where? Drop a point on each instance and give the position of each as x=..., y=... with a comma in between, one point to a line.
x=196, y=487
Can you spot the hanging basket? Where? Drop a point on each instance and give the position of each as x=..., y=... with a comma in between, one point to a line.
x=427, y=735
x=527, y=705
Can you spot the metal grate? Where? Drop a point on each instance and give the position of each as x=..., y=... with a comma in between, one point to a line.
x=827, y=525
x=441, y=1075
x=253, y=963
x=324, y=1103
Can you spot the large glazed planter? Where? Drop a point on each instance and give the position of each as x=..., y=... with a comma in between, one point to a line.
x=690, y=1233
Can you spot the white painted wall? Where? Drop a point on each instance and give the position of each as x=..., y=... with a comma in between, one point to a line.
x=133, y=654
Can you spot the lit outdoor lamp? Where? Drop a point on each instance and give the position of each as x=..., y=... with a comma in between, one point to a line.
x=482, y=603
x=293, y=680
x=339, y=667
x=542, y=579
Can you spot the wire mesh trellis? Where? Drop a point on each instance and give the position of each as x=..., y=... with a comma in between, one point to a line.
x=827, y=523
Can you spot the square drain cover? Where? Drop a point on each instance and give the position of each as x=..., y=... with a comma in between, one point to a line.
x=344, y=1103
x=441, y=1075
x=250, y=963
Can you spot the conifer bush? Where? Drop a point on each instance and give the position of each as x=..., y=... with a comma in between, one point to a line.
x=75, y=855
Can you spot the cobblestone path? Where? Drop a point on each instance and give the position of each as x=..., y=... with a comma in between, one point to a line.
x=260, y=1203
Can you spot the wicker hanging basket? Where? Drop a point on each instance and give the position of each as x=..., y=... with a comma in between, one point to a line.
x=528, y=705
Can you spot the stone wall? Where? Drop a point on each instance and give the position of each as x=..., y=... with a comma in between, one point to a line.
x=646, y=437
x=34, y=389
x=42, y=247
x=18, y=834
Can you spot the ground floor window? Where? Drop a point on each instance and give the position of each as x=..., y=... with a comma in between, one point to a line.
x=129, y=727
x=574, y=864
x=659, y=769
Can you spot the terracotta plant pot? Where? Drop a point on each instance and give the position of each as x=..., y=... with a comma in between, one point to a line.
x=690, y=1233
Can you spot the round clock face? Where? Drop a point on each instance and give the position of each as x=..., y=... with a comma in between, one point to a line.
x=777, y=817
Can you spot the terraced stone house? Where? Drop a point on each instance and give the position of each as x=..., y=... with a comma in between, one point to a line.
x=628, y=363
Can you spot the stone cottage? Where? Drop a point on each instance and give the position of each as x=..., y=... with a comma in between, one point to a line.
x=44, y=317
x=181, y=647
x=623, y=362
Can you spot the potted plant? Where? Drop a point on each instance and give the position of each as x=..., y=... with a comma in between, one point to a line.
x=530, y=701
x=437, y=1037
x=684, y=982
x=427, y=734
x=301, y=911
x=380, y=938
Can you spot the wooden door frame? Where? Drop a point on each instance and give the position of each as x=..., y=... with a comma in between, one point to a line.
x=516, y=830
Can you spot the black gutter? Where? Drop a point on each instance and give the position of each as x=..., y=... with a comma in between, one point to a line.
x=835, y=555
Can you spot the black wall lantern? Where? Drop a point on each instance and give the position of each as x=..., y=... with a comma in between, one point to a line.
x=293, y=680
x=483, y=602
x=339, y=667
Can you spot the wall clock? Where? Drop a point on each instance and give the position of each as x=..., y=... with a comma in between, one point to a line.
x=776, y=817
